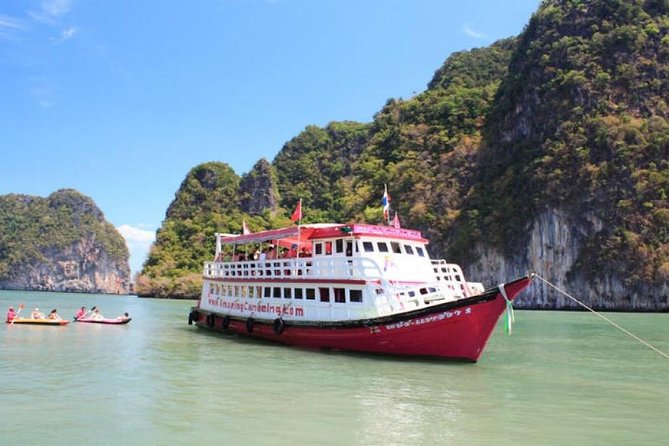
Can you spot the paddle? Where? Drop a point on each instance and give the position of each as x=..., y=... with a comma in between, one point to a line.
x=17, y=313
x=85, y=315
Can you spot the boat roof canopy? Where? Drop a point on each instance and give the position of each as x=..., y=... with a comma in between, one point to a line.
x=306, y=233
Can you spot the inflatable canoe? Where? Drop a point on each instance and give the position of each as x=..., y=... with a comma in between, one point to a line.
x=21, y=320
x=115, y=321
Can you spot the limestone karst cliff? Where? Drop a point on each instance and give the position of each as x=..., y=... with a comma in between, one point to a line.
x=60, y=243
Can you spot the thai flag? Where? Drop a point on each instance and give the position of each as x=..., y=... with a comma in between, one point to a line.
x=386, y=203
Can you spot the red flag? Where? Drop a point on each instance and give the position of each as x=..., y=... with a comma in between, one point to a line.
x=396, y=221
x=245, y=228
x=297, y=214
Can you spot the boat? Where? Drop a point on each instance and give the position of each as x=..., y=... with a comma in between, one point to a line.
x=349, y=287
x=116, y=321
x=29, y=321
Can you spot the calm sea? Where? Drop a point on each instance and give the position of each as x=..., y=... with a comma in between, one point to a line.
x=560, y=379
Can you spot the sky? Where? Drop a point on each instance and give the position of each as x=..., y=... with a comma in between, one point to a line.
x=121, y=99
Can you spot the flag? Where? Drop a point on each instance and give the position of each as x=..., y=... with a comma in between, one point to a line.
x=396, y=221
x=386, y=203
x=245, y=228
x=297, y=214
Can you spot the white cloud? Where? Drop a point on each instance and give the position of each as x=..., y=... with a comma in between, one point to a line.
x=9, y=22
x=51, y=10
x=467, y=29
x=139, y=242
x=65, y=34
x=8, y=25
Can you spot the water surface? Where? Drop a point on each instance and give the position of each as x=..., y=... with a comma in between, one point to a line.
x=561, y=378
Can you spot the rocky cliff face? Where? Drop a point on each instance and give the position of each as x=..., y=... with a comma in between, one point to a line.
x=258, y=189
x=553, y=248
x=80, y=268
x=61, y=243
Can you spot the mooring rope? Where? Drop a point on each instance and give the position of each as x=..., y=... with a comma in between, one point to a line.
x=627, y=332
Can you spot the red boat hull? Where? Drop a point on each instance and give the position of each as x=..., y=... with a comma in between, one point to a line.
x=455, y=330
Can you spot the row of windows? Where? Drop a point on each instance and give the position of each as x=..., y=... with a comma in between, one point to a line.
x=347, y=246
x=322, y=294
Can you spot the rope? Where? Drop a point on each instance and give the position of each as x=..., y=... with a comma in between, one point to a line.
x=627, y=332
x=510, y=319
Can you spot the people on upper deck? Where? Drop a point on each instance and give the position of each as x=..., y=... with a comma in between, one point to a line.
x=53, y=315
x=36, y=314
x=304, y=252
x=271, y=252
x=11, y=314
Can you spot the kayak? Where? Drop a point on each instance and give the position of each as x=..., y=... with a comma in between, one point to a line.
x=115, y=321
x=22, y=320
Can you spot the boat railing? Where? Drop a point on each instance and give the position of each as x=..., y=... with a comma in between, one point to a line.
x=450, y=275
x=296, y=268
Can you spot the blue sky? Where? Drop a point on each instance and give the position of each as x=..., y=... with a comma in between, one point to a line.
x=120, y=99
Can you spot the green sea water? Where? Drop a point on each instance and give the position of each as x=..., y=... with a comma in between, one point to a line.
x=562, y=378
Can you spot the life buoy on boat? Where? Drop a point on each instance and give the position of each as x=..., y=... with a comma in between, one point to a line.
x=279, y=326
x=210, y=320
x=249, y=325
x=225, y=323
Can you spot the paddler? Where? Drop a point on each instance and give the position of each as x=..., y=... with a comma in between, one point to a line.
x=11, y=314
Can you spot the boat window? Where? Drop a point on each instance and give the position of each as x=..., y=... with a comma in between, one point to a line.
x=339, y=295
x=408, y=249
x=259, y=292
x=420, y=251
x=277, y=292
x=251, y=291
x=328, y=248
x=298, y=293
x=383, y=246
x=268, y=292
x=368, y=246
x=311, y=294
x=355, y=296
x=244, y=290
x=236, y=290
x=287, y=293
x=318, y=248
x=349, y=248
x=396, y=247
x=324, y=294
x=339, y=246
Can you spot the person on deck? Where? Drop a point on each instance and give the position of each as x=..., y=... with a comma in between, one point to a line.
x=53, y=315
x=36, y=314
x=81, y=312
x=271, y=252
x=11, y=314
